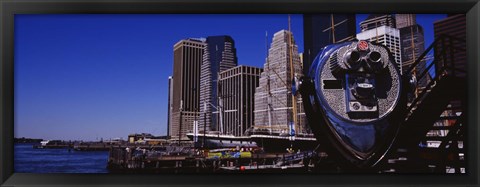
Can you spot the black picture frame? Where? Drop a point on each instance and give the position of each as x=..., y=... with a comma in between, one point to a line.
x=9, y=8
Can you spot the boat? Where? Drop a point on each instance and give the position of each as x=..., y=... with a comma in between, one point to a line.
x=268, y=142
x=216, y=141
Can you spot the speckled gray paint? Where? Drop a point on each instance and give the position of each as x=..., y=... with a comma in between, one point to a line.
x=387, y=91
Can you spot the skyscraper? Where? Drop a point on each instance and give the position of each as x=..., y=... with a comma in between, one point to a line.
x=455, y=26
x=324, y=29
x=376, y=20
x=405, y=20
x=413, y=45
x=220, y=55
x=240, y=83
x=273, y=99
x=187, y=59
x=380, y=29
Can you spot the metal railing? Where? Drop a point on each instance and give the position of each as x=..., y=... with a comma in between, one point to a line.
x=444, y=63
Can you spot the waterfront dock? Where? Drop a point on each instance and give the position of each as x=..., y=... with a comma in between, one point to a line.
x=190, y=160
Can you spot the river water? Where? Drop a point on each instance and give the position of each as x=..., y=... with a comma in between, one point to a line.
x=29, y=160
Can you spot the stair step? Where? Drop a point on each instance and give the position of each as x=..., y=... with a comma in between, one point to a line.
x=443, y=138
x=449, y=117
x=441, y=127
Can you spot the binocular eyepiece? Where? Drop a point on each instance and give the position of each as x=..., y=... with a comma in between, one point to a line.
x=374, y=56
x=353, y=58
x=370, y=61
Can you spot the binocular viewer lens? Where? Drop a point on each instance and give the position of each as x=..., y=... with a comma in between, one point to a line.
x=353, y=57
x=371, y=60
x=375, y=56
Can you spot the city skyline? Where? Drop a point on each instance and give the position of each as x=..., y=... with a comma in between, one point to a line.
x=132, y=58
x=30, y=100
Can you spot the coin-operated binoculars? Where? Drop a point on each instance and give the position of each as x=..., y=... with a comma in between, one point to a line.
x=355, y=99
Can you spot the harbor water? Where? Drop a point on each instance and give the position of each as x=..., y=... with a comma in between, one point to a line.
x=30, y=160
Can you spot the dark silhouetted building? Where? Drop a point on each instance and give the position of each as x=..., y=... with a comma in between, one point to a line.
x=455, y=26
x=318, y=33
x=220, y=55
x=413, y=44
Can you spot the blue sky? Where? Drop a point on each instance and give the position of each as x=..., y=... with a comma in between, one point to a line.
x=86, y=77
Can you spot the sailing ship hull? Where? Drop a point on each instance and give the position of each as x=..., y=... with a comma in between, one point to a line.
x=214, y=141
x=268, y=143
x=280, y=144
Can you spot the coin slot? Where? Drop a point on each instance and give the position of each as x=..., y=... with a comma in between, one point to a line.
x=332, y=84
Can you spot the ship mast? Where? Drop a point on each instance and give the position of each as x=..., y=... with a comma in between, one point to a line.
x=269, y=98
x=333, y=29
x=292, y=69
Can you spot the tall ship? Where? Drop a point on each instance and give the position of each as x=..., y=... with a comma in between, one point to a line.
x=279, y=121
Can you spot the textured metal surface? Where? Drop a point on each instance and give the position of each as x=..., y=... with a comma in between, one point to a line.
x=387, y=93
x=345, y=75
